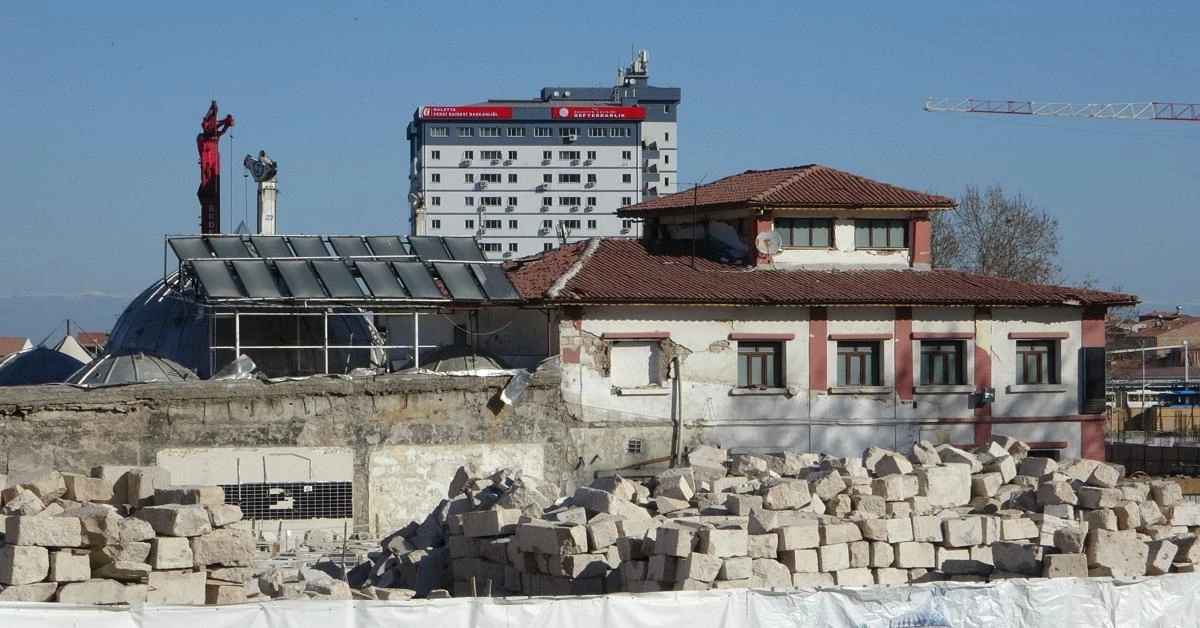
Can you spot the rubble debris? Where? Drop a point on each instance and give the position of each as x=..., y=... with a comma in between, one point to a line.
x=764, y=520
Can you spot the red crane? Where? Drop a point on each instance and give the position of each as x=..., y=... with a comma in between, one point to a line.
x=209, y=193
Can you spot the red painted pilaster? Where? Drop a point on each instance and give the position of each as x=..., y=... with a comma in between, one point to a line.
x=1093, y=326
x=922, y=240
x=904, y=354
x=1092, y=438
x=755, y=225
x=818, y=334
x=983, y=379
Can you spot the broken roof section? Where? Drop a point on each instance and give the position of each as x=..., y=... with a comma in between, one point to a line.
x=812, y=186
x=358, y=271
x=616, y=270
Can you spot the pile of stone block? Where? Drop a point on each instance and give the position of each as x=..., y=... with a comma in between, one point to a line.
x=121, y=536
x=782, y=520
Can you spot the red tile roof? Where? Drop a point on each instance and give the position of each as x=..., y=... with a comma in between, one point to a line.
x=92, y=339
x=1151, y=329
x=632, y=271
x=11, y=344
x=813, y=185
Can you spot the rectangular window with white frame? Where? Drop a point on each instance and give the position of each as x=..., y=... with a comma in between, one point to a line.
x=943, y=363
x=542, y=131
x=435, y=178
x=491, y=247
x=491, y=224
x=435, y=154
x=516, y=131
x=512, y=177
x=490, y=177
x=438, y=131
x=760, y=364
x=489, y=131
x=512, y=201
x=568, y=131
x=435, y=224
x=465, y=131
x=490, y=201
x=626, y=155
x=491, y=154
x=805, y=233
x=435, y=201
x=1037, y=362
x=859, y=363
x=512, y=247
x=568, y=154
x=512, y=224
x=596, y=131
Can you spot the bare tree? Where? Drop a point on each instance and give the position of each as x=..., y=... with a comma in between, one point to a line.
x=991, y=234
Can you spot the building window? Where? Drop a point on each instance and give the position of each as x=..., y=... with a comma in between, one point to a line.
x=491, y=201
x=634, y=446
x=626, y=155
x=490, y=177
x=512, y=178
x=489, y=131
x=805, y=232
x=569, y=224
x=626, y=178
x=435, y=154
x=512, y=247
x=568, y=154
x=568, y=131
x=568, y=178
x=469, y=200
x=591, y=154
x=469, y=224
x=666, y=181
x=859, y=362
x=591, y=178
x=542, y=131
x=512, y=224
x=491, y=247
x=491, y=154
x=547, y=154
x=469, y=177
x=435, y=224
x=547, y=246
x=512, y=154
x=942, y=362
x=435, y=201
x=547, y=224
x=881, y=234
x=635, y=364
x=626, y=224
x=626, y=201
x=619, y=133
x=666, y=108
x=568, y=200
x=547, y=201
x=591, y=224
x=1037, y=362
x=435, y=178
x=760, y=364
x=667, y=136
x=465, y=131
x=596, y=132
x=667, y=158
x=468, y=154
x=591, y=201
x=491, y=224
x=516, y=131
x=512, y=201
x=438, y=131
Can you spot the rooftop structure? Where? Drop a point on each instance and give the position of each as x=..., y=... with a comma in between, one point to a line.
x=528, y=175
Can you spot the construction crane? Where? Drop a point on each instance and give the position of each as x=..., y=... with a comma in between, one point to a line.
x=209, y=193
x=1117, y=111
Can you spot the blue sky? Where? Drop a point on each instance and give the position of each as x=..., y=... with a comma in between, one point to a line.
x=102, y=101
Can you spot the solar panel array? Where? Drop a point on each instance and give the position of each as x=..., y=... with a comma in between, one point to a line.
x=341, y=268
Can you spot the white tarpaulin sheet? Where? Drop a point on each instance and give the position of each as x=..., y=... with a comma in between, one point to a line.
x=1172, y=600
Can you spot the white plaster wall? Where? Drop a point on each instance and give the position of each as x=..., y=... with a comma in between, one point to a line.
x=233, y=465
x=1004, y=371
x=1071, y=432
x=406, y=482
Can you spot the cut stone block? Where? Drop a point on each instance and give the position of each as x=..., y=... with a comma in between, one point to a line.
x=736, y=568
x=831, y=558
x=985, y=484
x=46, y=484
x=675, y=541
x=217, y=594
x=666, y=505
x=22, y=503
x=661, y=568
x=1093, y=497
x=101, y=525
x=1005, y=466
x=189, y=494
x=167, y=587
x=1166, y=493
x=1037, y=467
x=924, y=454
x=895, y=487
x=860, y=554
x=770, y=573
x=724, y=542
x=945, y=486
x=1150, y=513
x=44, y=531
x=1050, y=493
x=888, y=575
x=172, y=552
x=221, y=515
x=1104, y=476
x=825, y=485
x=95, y=592
x=800, y=561
x=37, y=592
x=602, y=532
x=742, y=504
x=1024, y=559
x=125, y=571
x=767, y=545
x=1183, y=514
x=228, y=547
x=66, y=566
x=854, y=577
x=835, y=533
x=1159, y=556
x=701, y=567
x=675, y=486
x=490, y=522
x=142, y=482
x=951, y=454
x=813, y=580
x=787, y=495
x=892, y=463
x=176, y=519
x=81, y=488
x=927, y=529
x=964, y=532
x=1065, y=566
x=576, y=566
x=23, y=564
x=130, y=530
x=1100, y=519
x=1129, y=515
x=1018, y=529
x=882, y=554
x=1071, y=539
x=1122, y=553
x=799, y=536
x=869, y=505
x=913, y=554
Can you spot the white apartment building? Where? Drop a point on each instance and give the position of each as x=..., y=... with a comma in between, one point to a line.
x=524, y=176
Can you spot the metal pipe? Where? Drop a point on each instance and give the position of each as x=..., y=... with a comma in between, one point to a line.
x=237, y=335
x=416, y=340
x=325, y=340
x=677, y=410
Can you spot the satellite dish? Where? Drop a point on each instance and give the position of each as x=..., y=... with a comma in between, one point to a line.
x=768, y=243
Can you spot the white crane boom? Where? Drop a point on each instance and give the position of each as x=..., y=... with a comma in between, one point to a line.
x=1118, y=111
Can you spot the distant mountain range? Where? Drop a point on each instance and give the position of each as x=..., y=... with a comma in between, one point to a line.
x=45, y=315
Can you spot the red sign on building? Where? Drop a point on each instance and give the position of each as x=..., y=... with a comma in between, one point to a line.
x=466, y=113
x=598, y=113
